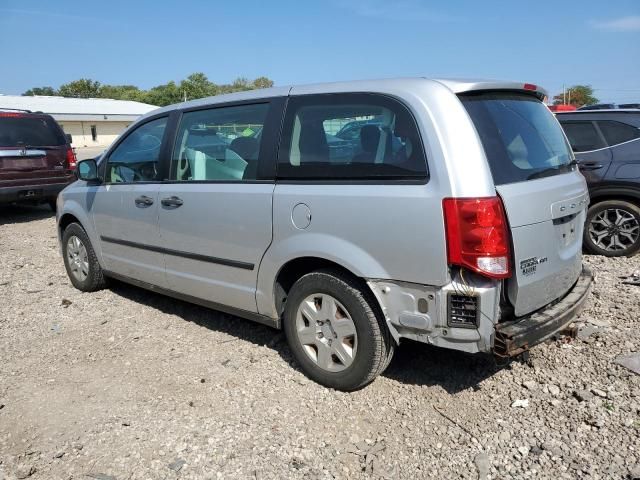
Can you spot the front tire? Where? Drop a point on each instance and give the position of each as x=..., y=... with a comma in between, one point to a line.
x=612, y=229
x=335, y=330
x=80, y=260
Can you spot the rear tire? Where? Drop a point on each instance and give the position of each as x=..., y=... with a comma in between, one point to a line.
x=52, y=204
x=344, y=345
x=80, y=260
x=612, y=229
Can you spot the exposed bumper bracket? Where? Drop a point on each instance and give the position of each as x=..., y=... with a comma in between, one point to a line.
x=515, y=337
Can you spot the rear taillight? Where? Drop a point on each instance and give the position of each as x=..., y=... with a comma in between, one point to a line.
x=477, y=235
x=71, y=159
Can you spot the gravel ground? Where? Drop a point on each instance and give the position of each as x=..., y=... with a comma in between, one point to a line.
x=126, y=384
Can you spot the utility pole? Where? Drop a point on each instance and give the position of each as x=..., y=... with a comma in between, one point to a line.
x=564, y=95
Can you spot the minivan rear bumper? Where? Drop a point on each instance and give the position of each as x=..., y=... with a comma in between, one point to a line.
x=26, y=193
x=517, y=336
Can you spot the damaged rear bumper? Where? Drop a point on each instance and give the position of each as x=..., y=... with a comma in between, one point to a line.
x=517, y=336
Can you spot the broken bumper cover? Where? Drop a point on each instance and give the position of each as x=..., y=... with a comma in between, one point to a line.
x=515, y=337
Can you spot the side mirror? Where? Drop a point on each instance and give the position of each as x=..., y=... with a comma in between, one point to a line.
x=69, y=138
x=87, y=170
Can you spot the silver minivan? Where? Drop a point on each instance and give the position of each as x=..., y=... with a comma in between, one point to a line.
x=351, y=215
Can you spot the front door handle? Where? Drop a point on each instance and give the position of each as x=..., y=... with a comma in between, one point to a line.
x=172, y=201
x=589, y=165
x=144, y=201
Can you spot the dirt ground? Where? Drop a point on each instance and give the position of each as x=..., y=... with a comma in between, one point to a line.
x=126, y=384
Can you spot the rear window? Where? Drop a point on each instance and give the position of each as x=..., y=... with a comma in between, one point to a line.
x=30, y=132
x=521, y=138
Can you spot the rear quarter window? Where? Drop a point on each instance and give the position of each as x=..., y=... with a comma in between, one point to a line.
x=617, y=132
x=16, y=131
x=350, y=136
x=521, y=138
x=583, y=136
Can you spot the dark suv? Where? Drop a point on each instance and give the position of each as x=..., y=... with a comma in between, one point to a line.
x=607, y=147
x=36, y=158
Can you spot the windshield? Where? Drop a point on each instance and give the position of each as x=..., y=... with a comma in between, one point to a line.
x=521, y=138
x=30, y=132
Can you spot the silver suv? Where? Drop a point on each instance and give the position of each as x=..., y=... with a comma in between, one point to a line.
x=453, y=216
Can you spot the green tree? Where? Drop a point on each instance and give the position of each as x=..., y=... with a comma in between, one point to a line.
x=197, y=85
x=121, y=92
x=262, y=82
x=83, y=88
x=162, y=95
x=240, y=84
x=39, y=91
x=577, y=95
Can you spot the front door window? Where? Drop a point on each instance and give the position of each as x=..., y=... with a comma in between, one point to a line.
x=136, y=159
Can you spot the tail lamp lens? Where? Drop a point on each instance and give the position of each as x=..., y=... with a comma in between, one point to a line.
x=477, y=235
x=71, y=159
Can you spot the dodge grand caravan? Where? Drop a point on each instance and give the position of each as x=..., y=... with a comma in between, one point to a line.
x=456, y=219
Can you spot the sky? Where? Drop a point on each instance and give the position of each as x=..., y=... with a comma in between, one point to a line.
x=146, y=43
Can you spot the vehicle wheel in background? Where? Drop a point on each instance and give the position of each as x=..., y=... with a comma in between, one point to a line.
x=335, y=330
x=80, y=260
x=612, y=229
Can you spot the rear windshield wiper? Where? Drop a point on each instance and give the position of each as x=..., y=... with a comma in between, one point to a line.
x=547, y=172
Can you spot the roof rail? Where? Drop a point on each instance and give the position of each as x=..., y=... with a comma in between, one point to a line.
x=4, y=109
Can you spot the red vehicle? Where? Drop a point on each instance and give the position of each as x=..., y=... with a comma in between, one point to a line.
x=562, y=108
x=36, y=158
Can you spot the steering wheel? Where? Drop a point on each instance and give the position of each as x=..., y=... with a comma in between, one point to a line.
x=148, y=171
x=127, y=174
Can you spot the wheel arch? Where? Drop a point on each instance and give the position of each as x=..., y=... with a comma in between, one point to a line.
x=74, y=212
x=296, y=268
x=299, y=253
x=67, y=219
x=603, y=194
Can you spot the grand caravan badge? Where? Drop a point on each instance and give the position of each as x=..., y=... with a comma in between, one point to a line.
x=530, y=265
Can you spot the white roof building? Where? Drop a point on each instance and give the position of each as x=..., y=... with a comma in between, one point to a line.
x=78, y=109
x=92, y=122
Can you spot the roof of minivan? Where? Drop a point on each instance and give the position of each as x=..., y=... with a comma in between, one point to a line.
x=455, y=85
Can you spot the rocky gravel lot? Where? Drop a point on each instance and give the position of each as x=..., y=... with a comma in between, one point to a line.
x=126, y=384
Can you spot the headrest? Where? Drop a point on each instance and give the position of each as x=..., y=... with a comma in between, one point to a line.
x=403, y=127
x=369, y=137
x=246, y=147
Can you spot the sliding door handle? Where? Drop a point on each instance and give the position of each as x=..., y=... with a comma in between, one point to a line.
x=172, y=201
x=144, y=201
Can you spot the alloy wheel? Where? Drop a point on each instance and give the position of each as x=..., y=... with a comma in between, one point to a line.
x=614, y=229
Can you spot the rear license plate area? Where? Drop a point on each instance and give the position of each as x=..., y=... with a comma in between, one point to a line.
x=23, y=163
x=26, y=194
x=566, y=228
